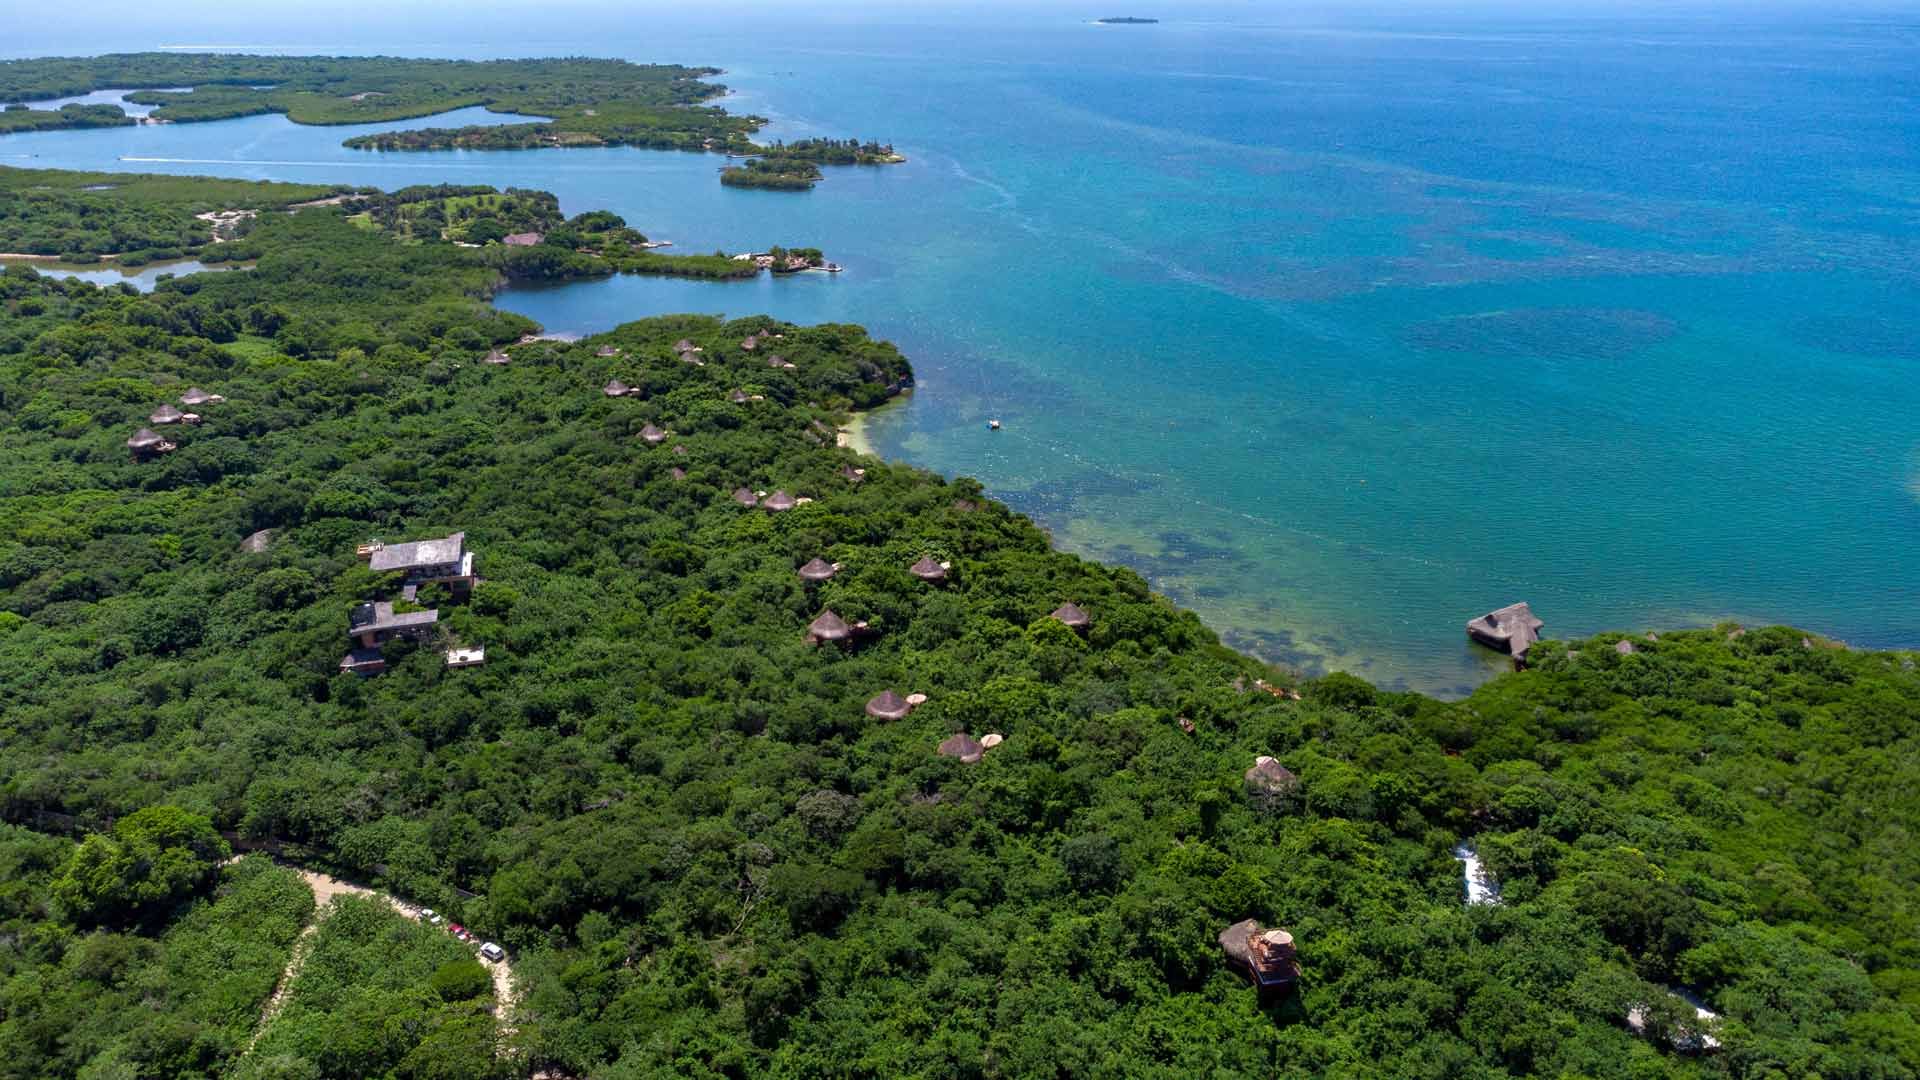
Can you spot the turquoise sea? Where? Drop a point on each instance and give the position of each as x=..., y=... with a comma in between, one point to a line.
x=1342, y=326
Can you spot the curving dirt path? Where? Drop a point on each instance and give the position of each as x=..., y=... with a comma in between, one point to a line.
x=325, y=888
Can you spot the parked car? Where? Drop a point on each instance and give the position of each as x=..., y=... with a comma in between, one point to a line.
x=493, y=952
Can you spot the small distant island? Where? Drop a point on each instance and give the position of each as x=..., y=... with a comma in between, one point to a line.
x=571, y=102
x=1126, y=20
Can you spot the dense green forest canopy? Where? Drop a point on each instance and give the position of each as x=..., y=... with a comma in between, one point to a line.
x=604, y=101
x=711, y=861
x=81, y=216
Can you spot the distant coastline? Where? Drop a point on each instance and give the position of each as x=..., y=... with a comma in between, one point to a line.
x=1126, y=20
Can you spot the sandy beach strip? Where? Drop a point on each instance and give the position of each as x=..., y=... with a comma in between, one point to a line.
x=853, y=436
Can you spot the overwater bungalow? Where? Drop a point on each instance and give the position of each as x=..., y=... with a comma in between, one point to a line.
x=652, y=436
x=818, y=570
x=962, y=746
x=927, y=570
x=888, y=706
x=1071, y=615
x=1267, y=957
x=828, y=627
x=1512, y=629
x=778, y=502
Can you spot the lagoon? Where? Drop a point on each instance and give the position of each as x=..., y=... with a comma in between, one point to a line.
x=143, y=278
x=1342, y=329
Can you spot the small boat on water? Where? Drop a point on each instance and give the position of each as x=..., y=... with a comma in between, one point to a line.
x=993, y=425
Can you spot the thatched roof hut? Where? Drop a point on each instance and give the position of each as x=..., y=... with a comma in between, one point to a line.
x=679, y=450
x=145, y=439
x=828, y=627
x=1072, y=616
x=751, y=343
x=1270, y=777
x=853, y=475
x=197, y=396
x=678, y=473
x=616, y=388
x=495, y=356
x=684, y=346
x=928, y=570
x=818, y=570
x=653, y=435
x=888, y=706
x=1623, y=647
x=745, y=497
x=962, y=746
x=166, y=414
x=738, y=397
x=1266, y=956
x=777, y=502
x=606, y=351
x=1511, y=629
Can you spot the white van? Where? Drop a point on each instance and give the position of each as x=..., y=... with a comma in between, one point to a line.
x=493, y=952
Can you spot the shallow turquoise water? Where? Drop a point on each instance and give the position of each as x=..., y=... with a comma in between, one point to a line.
x=1341, y=329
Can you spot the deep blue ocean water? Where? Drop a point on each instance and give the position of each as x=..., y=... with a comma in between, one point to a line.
x=1341, y=327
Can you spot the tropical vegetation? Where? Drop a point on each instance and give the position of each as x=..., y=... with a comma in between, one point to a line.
x=664, y=794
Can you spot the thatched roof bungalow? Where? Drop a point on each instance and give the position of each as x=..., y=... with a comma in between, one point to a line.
x=653, y=436
x=1266, y=956
x=927, y=570
x=853, y=475
x=1071, y=616
x=166, y=414
x=678, y=473
x=888, y=706
x=778, y=502
x=616, y=388
x=1624, y=647
x=495, y=356
x=962, y=746
x=1268, y=776
x=738, y=397
x=146, y=441
x=828, y=627
x=745, y=497
x=196, y=396
x=818, y=570
x=606, y=351
x=1512, y=629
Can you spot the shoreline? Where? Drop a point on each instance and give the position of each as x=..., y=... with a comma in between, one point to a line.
x=853, y=435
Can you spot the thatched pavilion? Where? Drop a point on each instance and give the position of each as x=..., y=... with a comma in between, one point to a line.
x=1071, y=616
x=605, y=352
x=828, y=627
x=616, y=388
x=1265, y=956
x=818, y=570
x=927, y=570
x=653, y=436
x=962, y=746
x=778, y=502
x=167, y=414
x=888, y=706
x=146, y=442
x=1511, y=629
x=745, y=497
x=196, y=396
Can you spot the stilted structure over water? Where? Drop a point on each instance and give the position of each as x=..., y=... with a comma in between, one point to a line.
x=1512, y=629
